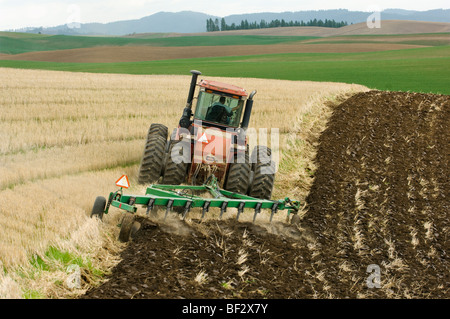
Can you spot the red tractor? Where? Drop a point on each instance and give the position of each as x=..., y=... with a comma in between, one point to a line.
x=210, y=141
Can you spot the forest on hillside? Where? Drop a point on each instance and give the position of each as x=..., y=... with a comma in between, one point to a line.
x=215, y=25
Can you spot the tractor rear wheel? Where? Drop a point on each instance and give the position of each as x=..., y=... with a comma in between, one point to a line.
x=237, y=180
x=263, y=173
x=158, y=129
x=177, y=163
x=152, y=160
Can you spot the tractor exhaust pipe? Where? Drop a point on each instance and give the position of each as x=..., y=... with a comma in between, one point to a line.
x=195, y=75
x=185, y=120
x=248, y=111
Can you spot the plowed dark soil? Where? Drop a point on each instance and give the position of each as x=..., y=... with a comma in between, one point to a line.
x=237, y=260
x=376, y=227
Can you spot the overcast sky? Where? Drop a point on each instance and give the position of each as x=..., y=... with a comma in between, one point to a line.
x=22, y=13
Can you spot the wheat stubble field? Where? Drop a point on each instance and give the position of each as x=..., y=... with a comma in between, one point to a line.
x=66, y=137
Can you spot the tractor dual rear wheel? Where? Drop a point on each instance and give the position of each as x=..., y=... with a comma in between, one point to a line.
x=177, y=163
x=263, y=173
x=158, y=129
x=153, y=159
x=237, y=180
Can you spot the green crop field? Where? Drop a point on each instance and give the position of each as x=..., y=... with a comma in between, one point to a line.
x=419, y=70
x=226, y=40
x=15, y=43
x=11, y=43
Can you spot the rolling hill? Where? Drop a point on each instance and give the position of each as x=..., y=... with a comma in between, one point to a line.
x=188, y=21
x=388, y=27
x=421, y=33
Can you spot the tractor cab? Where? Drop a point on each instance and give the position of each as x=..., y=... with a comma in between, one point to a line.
x=210, y=141
x=220, y=104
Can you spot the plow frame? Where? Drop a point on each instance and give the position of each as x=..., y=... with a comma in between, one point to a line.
x=182, y=197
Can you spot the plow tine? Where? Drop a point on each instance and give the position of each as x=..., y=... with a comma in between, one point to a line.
x=187, y=208
x=205, y=209
x=240, y=209
x=223, y=209
x=168, y=209
x=150, y=206
x=274, y=210
x=257, y=210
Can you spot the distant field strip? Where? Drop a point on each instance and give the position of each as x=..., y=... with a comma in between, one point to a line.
x=427, y=39
x=20, y=43
x=419, y=70
x=117, y=54
x=16, y=43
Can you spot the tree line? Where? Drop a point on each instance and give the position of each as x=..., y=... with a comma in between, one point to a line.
x=215, y=25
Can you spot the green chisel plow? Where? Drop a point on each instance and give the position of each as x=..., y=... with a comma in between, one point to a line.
x=181, y=198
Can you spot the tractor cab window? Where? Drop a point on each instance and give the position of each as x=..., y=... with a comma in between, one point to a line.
x=220, y=109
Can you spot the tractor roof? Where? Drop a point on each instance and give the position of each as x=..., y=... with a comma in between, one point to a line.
x=223, y=87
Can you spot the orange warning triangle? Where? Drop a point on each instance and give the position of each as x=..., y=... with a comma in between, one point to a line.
x=123, y=181
x=203, y=138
